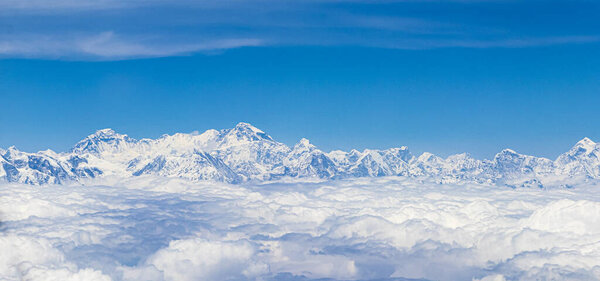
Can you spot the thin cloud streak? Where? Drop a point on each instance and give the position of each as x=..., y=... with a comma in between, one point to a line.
x=49, y=6
x=109, y=46
x=419, y=44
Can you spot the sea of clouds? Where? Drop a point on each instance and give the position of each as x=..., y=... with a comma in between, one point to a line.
x=360, y=229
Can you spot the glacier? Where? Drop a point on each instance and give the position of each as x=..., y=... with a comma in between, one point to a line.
x=247, y=154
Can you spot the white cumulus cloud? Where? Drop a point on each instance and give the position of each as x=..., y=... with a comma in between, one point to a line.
x=359, y=229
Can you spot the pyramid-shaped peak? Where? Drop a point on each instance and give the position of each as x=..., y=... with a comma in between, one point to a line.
x=247, y=126
x=97, y=142
x=108, y=132
x=13, y=149
x=586, y=143
x=12, y=152
x=245, y=131
x=304, y=141
x=304, y=144
x=582, y=147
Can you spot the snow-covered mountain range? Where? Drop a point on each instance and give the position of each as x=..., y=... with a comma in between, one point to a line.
x=246, y=153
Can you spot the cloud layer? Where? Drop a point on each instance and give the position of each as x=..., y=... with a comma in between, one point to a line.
x=361, y=229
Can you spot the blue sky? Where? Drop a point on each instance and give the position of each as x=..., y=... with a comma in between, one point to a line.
x=438, y=76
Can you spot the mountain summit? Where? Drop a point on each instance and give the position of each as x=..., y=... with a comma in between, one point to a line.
x=246, y=153
x=105, y=140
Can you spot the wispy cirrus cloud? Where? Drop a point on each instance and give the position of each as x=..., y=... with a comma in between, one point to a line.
x=49, y=5
x=490, y=43
x=39, y=6
x=108, y=45
x=110, y=29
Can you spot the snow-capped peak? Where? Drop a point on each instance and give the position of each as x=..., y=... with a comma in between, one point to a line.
x=12, y=148
x=245, y=152
x=304, y=145
x=247, y=126
x=459, y=156
x=242, y=133
x=12, y=152
x=581, y=149
x=103, y=140
x=427, y=157
x=586, y=144
x=508, y=151
x=105, y=133
x=304, y=142
x=582, y=159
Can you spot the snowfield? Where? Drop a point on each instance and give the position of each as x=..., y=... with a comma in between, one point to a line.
x=383, y=228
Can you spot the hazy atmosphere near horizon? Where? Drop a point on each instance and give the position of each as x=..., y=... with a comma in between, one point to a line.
x=299, y=140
